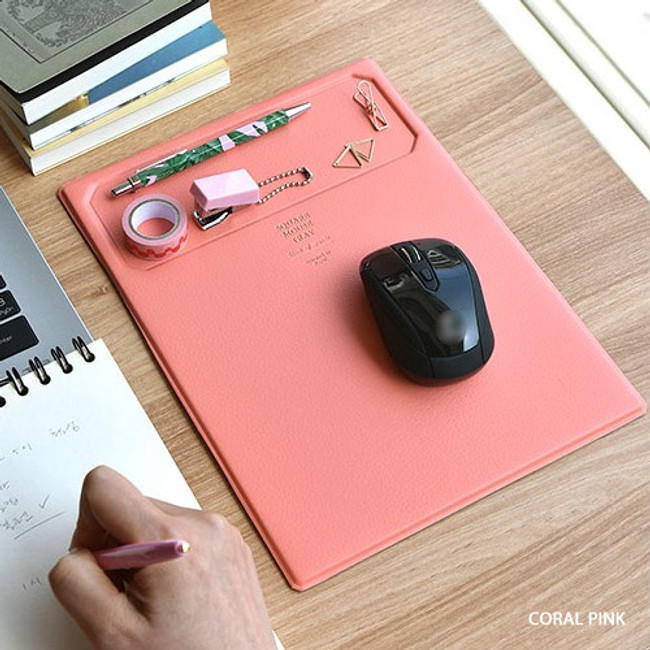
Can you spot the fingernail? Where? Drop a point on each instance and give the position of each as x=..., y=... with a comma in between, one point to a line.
x=73, y=549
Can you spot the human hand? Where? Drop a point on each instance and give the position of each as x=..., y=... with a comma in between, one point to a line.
x=208, y=600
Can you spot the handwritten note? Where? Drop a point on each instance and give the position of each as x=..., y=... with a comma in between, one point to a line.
x=49, y=440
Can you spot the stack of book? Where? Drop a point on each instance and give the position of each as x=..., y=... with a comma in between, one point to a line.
x=79, y=73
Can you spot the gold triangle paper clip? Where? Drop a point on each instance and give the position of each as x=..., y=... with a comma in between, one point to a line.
x=358, y=155
x=364, y=97
x=354, y=146
x=348, y=150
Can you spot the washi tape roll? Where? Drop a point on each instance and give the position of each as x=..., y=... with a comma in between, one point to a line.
x=155, y=227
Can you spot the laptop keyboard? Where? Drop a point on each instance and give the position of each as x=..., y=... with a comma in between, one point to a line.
x=16, y=334
x=35, y=313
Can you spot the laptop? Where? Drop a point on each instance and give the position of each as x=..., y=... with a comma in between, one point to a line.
x=35, y=312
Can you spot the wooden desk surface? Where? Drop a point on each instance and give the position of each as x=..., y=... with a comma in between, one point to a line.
x=572, y=537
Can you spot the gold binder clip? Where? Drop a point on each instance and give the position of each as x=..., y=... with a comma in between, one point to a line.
x=365, y=98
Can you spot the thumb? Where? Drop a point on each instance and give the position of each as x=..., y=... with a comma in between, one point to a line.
x=90, y=597
x=112, y=508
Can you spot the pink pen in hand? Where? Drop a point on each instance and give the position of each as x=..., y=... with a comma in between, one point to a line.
x=135, y=556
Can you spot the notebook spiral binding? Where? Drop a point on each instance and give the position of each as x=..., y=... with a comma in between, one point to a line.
x=36, y=366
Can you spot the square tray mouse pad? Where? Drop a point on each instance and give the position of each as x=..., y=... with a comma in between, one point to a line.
x=265, y=333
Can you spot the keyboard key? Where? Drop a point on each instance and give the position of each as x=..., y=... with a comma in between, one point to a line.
x=8, y=305
x=15, y=336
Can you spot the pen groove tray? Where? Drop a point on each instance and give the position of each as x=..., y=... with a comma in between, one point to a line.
x=314, y=140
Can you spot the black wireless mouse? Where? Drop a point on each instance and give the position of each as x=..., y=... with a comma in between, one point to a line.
x=428, y=303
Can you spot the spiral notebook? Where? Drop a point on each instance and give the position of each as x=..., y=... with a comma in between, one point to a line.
x=263, y=329
x=51, y=437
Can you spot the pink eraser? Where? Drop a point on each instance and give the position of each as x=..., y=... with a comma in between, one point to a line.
x=225, y=190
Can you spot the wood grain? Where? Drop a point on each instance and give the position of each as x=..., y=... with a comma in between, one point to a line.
x=571, y=537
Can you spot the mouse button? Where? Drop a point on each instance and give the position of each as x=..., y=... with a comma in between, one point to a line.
x=456, y=280
x=439, y=260
x=428, y=277
x=384, y=264
x=441, y=254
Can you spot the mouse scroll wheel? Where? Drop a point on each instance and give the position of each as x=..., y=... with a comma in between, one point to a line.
x=410, y=253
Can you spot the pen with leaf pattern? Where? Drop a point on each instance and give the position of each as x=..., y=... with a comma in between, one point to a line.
x=181, y=160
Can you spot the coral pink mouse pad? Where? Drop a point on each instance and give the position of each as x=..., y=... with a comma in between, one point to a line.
x=262, y=327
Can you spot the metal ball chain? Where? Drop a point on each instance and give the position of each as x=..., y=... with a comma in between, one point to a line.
x=299, y=170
